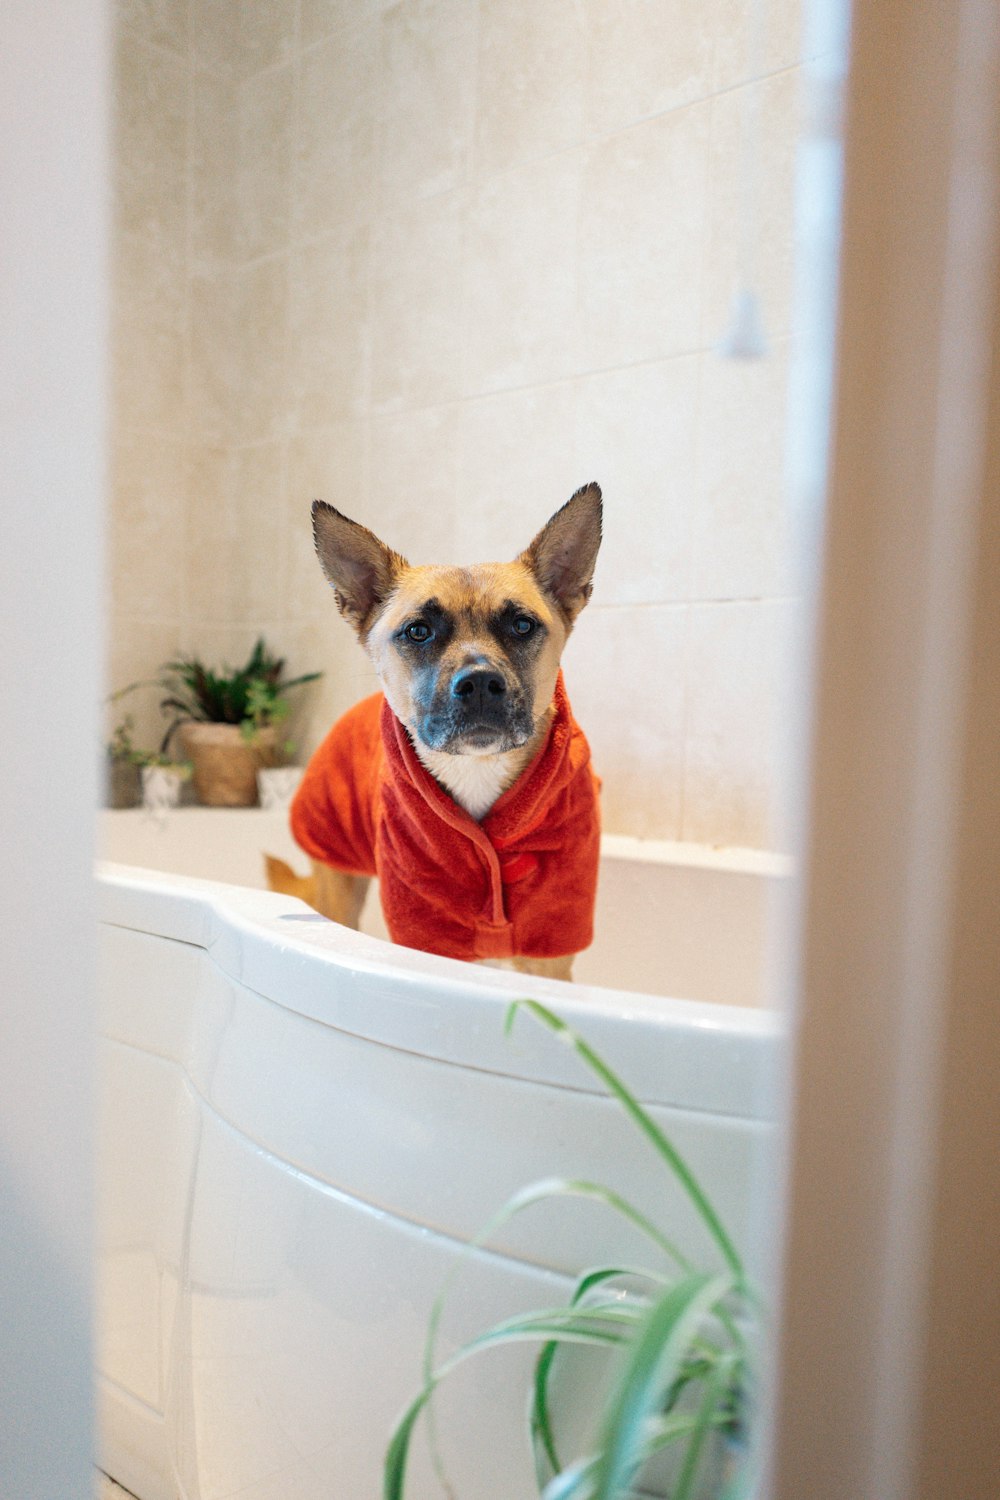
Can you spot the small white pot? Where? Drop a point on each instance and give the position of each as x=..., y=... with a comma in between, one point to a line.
x=276, y=786
x=161, y=788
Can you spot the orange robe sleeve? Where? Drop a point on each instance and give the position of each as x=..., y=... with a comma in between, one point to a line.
x=334, y=812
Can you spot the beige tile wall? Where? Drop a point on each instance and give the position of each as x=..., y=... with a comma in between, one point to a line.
x=151, y=355
x=440, y=262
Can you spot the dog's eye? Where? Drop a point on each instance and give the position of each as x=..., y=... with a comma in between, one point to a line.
x=523, y=625
x=418, y=632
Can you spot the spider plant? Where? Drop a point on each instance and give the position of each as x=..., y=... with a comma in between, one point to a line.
x=684, y=1342
x=252, y=696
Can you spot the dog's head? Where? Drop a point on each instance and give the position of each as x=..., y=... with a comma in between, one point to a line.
x=467, y=657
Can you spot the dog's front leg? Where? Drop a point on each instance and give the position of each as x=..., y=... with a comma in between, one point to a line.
x=338, y=895
x=546, y=968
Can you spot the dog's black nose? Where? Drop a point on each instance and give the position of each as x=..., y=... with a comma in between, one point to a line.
x=477, y=686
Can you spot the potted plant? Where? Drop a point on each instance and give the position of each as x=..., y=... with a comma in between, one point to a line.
x=122, y=766
x=135, y=775
x=682, y=1382
x=229, y=721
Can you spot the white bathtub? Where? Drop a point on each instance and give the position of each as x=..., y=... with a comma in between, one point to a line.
x=302, y=1126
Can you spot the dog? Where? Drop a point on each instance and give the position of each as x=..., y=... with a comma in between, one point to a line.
x=466, y=784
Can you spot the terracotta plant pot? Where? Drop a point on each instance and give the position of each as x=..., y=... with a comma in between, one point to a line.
x=225, y=763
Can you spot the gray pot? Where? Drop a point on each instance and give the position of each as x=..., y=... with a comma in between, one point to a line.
x=122, y=786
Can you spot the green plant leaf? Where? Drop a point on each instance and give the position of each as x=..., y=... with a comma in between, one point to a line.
x=553, y=1187
x=181, y=704
x=573, y=1483
x=716, y=1385
x=231, y=695
x=539, y=1192
x=539, y=1418
x=578, y=1481
x=604, y=1326
x=660, y=1142
x=652, y=1367
x=398, y=1451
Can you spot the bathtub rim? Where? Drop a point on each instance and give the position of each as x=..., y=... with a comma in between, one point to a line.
x=721, y=1058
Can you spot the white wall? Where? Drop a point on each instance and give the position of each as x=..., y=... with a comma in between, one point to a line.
x=53, y=174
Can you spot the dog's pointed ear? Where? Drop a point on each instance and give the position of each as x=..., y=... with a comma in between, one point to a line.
x=564, y=552
x=362, y=570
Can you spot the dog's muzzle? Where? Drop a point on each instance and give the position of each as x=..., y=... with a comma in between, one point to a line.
x=477, y=711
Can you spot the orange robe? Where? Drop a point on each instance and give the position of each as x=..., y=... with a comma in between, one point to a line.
x=522, y=882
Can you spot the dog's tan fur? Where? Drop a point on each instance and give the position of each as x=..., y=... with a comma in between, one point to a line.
x=378, y=592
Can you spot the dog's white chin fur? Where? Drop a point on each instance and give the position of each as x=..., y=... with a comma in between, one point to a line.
x=474, y=778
